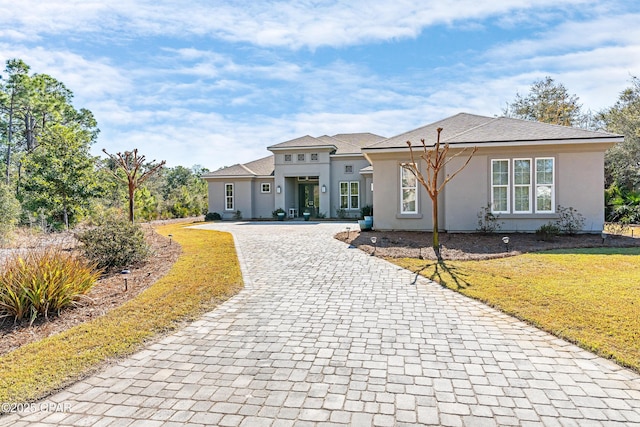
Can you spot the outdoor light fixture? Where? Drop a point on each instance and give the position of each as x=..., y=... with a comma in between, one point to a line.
x=348, y=230
x=170, y=238
x=278, y=189
x=124, y=274
x=604, y=237
x=505, y=240
x=324, y=188
x=374, y=239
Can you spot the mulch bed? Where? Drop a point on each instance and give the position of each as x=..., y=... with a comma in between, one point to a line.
x=471, y=246
x=106, y=295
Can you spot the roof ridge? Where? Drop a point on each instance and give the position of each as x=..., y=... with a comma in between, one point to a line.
x=491, y=120
x=244, y=166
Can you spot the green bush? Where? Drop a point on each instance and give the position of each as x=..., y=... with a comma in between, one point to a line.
x=114, y=244
x=548, y=231
x=275, y=213
x=212, y=216
x=43, y=282
x=9, y=212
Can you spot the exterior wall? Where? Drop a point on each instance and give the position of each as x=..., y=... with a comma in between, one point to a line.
x=578, y=176
x=367, y=193
x=338, y=175
x=286, y=171
x=263, y=203
x=243, y=197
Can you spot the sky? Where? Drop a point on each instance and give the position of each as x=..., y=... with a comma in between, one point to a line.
x=213, y=83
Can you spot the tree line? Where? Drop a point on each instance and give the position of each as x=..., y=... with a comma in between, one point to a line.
x=550, y=102
x=49, y=176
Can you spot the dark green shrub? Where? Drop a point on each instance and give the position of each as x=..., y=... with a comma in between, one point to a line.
x=275, y=213
x=237, y=215
x=548, y=231
x=43, y=282
x=366, y=210
x=114, y=244
x=212, y=216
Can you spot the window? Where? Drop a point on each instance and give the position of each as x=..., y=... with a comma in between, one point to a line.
x=350, y=195
x=500, y=186
x=408, y=190
x=228, y=197
x=545, y=197
x=314, y=157
x=301, y=157
x=265, y=187
x=520, y=186
x=348, y=168
x=287, y=157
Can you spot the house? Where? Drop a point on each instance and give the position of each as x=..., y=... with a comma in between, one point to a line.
x=522, y=171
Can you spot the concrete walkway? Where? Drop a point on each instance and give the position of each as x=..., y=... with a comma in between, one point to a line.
x=326, y=335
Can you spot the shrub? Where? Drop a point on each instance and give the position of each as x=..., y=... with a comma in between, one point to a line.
x=366, y=210
x=548, y=231
x=275, y=213
x=488, y=221
x=43, y=282
x=9, y=212
x=114, y=244
x=570, y=221
x=341, y=213
x=237, y=215
x=212, y=216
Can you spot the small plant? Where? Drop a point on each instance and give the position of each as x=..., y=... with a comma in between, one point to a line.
x=341, y=213
x=114, y=244
x=237, y=215
x=321, y=215
x=43, y=282
x=366, y=210
x=212, y=216
x=548, y=231
x=488, y=221
x=570, y=220
x=275, y=213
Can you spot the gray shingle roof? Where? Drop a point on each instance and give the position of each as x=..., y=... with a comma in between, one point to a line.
x=345, y=143
x=473, y=129
x=260, y=167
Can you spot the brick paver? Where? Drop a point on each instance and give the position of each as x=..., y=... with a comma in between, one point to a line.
x=324, y=335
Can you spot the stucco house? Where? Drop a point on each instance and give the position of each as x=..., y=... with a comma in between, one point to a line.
x=522, y=171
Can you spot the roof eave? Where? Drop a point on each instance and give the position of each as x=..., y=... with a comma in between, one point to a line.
x=302, y=147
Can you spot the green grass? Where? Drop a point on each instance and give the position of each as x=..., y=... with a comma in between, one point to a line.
x=206, y=273
x=588, y=296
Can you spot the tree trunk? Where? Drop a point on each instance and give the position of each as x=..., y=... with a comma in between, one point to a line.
x=436, y=237
x=131, y=200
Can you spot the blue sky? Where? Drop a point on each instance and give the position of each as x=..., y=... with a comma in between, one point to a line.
x=215, y=82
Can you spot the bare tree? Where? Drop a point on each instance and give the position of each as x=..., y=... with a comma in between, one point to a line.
x=135, y=171
x=436, y=158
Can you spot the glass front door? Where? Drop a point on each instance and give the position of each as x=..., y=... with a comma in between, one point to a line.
x=308, y=199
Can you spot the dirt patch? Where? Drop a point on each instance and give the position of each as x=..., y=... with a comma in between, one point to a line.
x=106, y=295
x=472, y=246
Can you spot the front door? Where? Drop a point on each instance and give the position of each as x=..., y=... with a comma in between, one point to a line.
x=309, y=199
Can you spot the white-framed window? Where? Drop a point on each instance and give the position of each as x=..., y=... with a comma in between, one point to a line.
x=228, y=197
x=287, y=157
x=265, y=187
x=522, y=185
x=301, y=157
x=314, y=157
x=408, y=190
x=545, y=185
x=350, y=195
x=500, y=186
x=348, y=168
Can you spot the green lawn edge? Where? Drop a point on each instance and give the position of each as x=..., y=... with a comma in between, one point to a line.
x=206, y=273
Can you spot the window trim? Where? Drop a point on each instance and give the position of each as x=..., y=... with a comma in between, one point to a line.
x=529, y=186
x=289, y=159
x=229, y=198
x=262, y=187
x=507, y=186
x=552, y=186
x=348, y=169
x=312, y=155
x=407, y=167
x=349, y=195
x=301, y=157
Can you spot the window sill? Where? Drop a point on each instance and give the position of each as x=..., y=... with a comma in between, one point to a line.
x=409, y=216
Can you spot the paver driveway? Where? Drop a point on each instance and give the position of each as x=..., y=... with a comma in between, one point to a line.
x=326, y=335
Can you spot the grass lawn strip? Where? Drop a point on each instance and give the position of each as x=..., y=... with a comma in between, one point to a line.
x=206, y=274
x=590, y=297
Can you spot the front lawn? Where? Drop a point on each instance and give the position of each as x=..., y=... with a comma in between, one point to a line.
x=206, y=273
x=588, y=296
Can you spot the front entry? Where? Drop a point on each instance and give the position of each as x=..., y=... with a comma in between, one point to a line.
x=308, y=199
